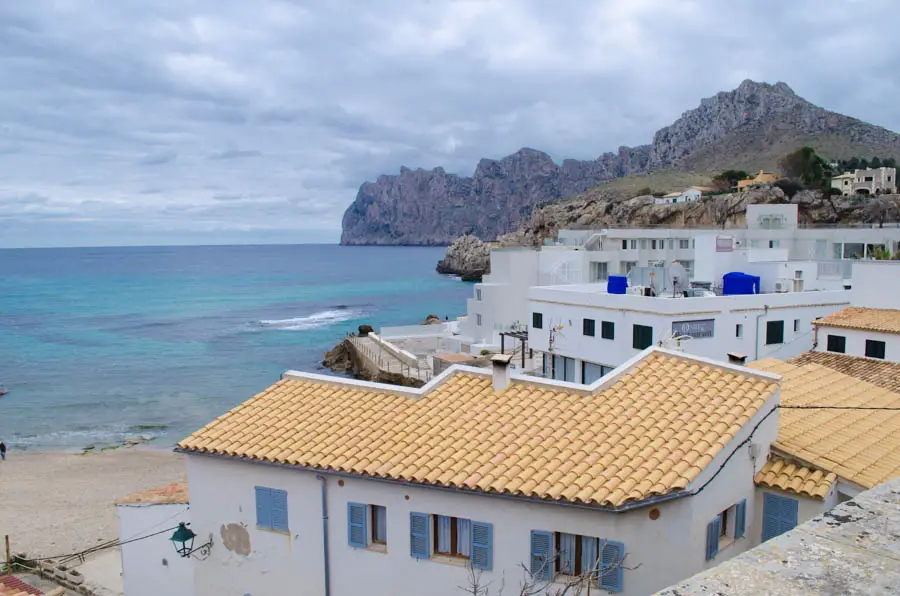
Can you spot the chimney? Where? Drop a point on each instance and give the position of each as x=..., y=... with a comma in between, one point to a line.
x=500, y=365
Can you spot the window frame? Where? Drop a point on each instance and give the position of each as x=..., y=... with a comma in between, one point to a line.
x=634, y=336
x=589, y=327
x=537, y=320
x=839, y=341
x=608, y=330
x=454, y=537
x=739, y=330
x=374, y=540
x=769, y=333
x=872, y=343
x=478, y=319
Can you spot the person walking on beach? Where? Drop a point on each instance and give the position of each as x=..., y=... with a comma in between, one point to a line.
x=2, y=451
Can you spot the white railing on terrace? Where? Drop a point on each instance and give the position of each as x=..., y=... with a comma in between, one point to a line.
x=834, y=269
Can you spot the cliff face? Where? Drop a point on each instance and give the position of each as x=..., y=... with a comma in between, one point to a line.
x=750, y=127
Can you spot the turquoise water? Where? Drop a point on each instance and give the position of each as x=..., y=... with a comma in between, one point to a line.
x=99, y=344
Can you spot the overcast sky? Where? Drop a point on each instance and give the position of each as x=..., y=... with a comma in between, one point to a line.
x=211, y=121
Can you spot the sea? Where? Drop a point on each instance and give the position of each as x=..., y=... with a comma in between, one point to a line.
x=102, y=345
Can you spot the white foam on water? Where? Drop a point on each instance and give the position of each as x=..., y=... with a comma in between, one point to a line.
x=314, y=321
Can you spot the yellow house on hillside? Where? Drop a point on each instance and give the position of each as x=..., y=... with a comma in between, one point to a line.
x=762, y=178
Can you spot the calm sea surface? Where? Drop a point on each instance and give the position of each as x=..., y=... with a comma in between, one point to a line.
x=99, y=344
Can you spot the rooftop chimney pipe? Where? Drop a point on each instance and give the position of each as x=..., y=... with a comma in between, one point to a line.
x=500, y=365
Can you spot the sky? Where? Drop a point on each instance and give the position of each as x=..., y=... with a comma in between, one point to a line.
x=255, y=121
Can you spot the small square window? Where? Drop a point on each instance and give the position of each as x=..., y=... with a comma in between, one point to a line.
x=739, y=330
x=875, y=349
x=837, y=343
x=774, y=332
x=608, y=330
x=642, y=337
x=588, y=327
x=537, y=320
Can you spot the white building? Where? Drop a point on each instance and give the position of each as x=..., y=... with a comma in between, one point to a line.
x=150, y=566
x=688, y=195
x=591, y=256
x=321, y=485
x=873, y=181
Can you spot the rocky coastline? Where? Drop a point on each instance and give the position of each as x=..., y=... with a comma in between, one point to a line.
x=468, y=257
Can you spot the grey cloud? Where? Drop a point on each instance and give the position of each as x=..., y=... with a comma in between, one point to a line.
x=280, y=136
x=156, y=159
x=235, y=154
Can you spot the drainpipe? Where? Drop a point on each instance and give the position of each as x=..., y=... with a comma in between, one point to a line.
x=760, y=315
x=325, y=533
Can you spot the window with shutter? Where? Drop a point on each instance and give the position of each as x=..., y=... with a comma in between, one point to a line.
x=836, y=343
x=356, y=525
x=608, y=330
x=774, y=332
x=712, y=538
x=590, y=565
x=482, y=550
x=875, y=349
x=779, y=515
x=379, y=524
x=541, y=565
x=279, y=510
x=588, y=326
x=642, y=337
x=611, y=555
x=418, y=535
x=740, y=522
x=566, y=553
x=263, y=507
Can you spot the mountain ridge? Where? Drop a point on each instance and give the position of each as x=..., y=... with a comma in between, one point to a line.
x=746, y=128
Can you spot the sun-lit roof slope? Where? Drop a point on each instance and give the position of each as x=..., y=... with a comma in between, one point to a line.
x=862, y=446
x=795, y=478
x=884, y=320
x=878, y=372
x=650, y=432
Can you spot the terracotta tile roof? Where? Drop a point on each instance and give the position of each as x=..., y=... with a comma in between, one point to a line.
x=878, y=372
x=176, y=492
x=884, y=320
x=862, y=446
x=650, y=432
x=11, y=585
x=792, y=477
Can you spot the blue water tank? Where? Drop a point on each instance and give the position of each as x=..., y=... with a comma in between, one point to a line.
x=737, y=283
x=616, y=284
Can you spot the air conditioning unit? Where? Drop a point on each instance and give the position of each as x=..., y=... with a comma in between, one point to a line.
x=784, y=285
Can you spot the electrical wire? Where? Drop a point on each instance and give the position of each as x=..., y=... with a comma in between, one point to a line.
x=104, y=546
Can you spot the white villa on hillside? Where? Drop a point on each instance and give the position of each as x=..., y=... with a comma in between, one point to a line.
x=321, y=485
x=688, y=195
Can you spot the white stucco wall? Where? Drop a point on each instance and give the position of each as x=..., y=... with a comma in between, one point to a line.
x=668, y=549
x=151, y=567
x=570, y=306
x=856, y=341
x=876, y=284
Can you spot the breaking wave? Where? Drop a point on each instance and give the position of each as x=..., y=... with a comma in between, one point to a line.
x=314, y=321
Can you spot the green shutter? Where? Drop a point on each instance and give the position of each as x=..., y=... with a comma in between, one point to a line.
x=418, y=535
x=541, y=555
x=356, y=525
x=482, y=552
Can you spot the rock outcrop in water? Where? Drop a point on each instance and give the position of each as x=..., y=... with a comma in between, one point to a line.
x=468, y=257
x=748, y=128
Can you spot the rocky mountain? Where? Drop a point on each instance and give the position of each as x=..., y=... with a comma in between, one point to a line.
x=748, y=128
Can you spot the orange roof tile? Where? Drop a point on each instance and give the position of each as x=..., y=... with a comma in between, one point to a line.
x=176, y=492
x=650, y=432
x=862, y=446
x=884, y=320
x=791, y=477
x=878, y=372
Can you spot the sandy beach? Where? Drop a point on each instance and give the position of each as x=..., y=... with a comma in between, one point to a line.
x=55, y=503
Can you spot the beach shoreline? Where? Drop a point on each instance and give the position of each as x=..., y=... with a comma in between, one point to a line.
x=63, y=501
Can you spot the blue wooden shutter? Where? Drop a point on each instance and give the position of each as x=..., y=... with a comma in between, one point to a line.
x=418, y=535
x=482, y=545
x=789, y=508
x=263, y=507
x=740, y=522
x=279, y=510
x=611, y=555
x=356, y=525
x=541, y=555
x=713, y=529
x=779, y=515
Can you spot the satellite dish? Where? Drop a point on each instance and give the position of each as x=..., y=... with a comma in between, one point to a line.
x=678, y=275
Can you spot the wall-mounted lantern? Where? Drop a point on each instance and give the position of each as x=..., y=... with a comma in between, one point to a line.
x=183, y=540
